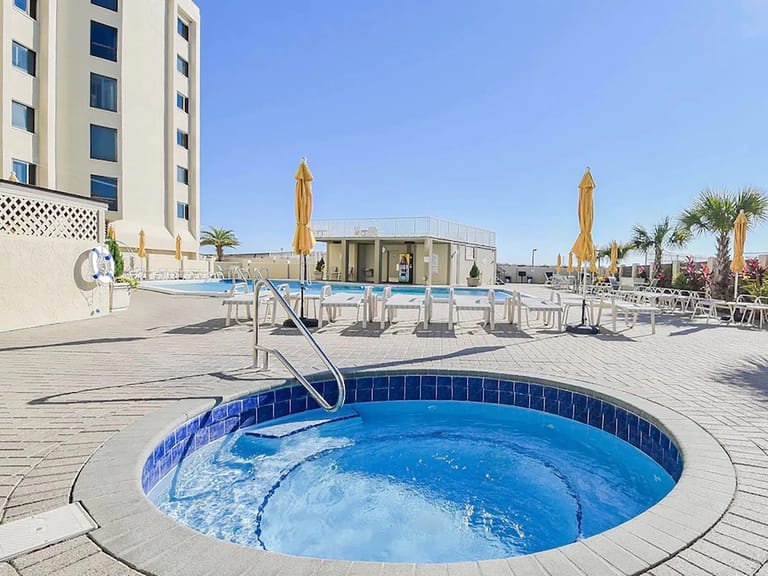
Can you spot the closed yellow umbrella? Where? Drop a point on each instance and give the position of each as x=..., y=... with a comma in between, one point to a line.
x=178, y=247
x=558, y=264
x=614, y=267
x=584, y=248
x=142, y=251
x=303, y=239
x=739, y=238
x=570, y=262
x=111, y=232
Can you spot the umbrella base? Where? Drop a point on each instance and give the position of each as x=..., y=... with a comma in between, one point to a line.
x=308, y=322
x=582, y=329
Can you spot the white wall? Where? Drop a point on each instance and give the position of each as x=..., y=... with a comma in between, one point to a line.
x=47, y=280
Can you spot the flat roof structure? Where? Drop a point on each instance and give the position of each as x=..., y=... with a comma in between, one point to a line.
x=431, y=250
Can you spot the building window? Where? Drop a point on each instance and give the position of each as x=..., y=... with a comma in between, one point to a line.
x=182, y=210
x=182, y=65
x=103, y=143
x=108, y=4
x=182, y=138
x=182, y=175
x=29, y=7
x=23, y=58
x=22, y=116
x=26, y=172
x=103, y=41
x=103, y=92
x=182, y=28
x=182, y=102
x=104, y=188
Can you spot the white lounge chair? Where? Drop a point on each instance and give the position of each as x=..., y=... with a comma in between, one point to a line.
x=391, y=303
x=484, y=304
x=531, y=304
x=619, y=306
x=246, y=300
x=332, y=304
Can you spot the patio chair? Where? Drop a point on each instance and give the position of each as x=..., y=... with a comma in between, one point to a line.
x=538, y=305
x=746, y=306
x=484, y=304
x=333, y=303
x=237, y=301
x=626, y=307
x=246, y=300
x=710, y=307
x=391, y=303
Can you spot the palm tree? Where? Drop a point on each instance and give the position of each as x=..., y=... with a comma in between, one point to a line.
x=220, y=239
x=714, y=213
x=661, y=237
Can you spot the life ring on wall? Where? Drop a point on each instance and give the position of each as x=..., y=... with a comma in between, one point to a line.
x=102, y=265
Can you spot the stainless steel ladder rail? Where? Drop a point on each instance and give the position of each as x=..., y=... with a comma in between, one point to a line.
x=291, y=368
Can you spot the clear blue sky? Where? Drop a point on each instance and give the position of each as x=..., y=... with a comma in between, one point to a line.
x=481, y=112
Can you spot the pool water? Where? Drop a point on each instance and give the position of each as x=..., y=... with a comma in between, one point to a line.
x=223, y=287
x=412, y=481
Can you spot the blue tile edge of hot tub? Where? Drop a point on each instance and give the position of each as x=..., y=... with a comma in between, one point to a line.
x=293, y=399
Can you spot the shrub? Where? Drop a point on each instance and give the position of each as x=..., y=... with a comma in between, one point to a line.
x=474, y=272
x=320, y=266
x=128, y=280
x=691, y=278
x=114, y=250
x=752, y=279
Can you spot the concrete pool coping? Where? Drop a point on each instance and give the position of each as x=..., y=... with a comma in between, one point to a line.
x=133, y=530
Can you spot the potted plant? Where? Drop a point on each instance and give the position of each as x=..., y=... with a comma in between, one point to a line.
x=319, y=269
x=474, y=275
x=120, y=289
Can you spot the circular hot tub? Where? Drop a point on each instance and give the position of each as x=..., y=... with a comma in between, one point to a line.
x=418, y=467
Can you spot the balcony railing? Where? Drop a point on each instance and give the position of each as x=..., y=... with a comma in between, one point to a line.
x=424, y=227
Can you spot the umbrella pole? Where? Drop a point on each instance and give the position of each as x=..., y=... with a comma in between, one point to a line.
x=584, y=296
x=583, y=328
x=735, y=286
x=303, y=276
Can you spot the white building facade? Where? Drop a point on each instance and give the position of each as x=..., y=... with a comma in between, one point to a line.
x=101, y=98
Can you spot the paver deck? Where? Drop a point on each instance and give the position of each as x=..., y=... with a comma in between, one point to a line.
x=66, y=389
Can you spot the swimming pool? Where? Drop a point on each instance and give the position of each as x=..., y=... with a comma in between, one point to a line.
x=224, y=287
x=416, y=468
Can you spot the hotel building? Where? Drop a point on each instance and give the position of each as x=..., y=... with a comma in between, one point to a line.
x=101, y=98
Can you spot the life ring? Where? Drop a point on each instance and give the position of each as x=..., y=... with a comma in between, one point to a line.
x=102, y=265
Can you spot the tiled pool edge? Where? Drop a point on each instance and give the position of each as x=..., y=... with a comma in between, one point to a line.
x=136, y=532
x=598, y=413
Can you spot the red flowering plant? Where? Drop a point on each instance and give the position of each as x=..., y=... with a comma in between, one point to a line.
x=692, y=277
x=662, y=280
x=751, y=279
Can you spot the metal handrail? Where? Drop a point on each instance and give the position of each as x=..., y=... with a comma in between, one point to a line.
x=291, y=368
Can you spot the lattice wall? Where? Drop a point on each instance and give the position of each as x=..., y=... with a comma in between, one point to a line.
x=27, y=216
